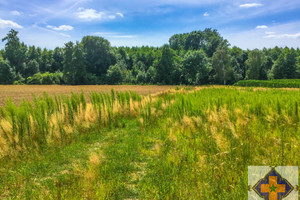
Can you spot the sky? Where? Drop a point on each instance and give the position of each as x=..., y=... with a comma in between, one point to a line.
x=247, y=24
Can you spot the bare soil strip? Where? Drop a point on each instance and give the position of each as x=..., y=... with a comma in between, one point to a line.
x=18, y=92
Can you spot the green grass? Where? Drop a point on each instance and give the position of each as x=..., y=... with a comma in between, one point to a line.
x=183, y=144
x=276, y=83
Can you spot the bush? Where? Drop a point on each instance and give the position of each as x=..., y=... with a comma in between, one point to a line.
x=45, y=78
x=276, y=83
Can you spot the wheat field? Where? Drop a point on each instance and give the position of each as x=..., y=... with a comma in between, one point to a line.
x=18, y=92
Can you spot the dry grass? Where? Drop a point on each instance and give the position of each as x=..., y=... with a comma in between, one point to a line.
x=18, y=92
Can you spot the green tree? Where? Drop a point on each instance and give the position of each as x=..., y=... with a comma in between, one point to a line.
x=165, y=66
x=58, y=57
x=46, y=60
x=15, y=52
x=212, y=40
x=114, y=74
x=255, y=65
x=69, y=71
x=78, y=63
x=285, y=66
x=195, y=67
x=223, y=72
x=98, y=54
x=32, y=68
x=7, y=72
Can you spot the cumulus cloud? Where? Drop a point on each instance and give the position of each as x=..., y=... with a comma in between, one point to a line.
x=262, y=27
x=206, y=14
x=89, y=14
x=250, y=5
x=9, y=24
x=15, y=12
x=61, y=28
x=92, y=14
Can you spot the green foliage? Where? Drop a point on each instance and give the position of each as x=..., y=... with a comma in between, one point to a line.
x=255, y=63
x=165, y=66
x=285, y=66
x=15, y=52
x=195, y=68
x=69, y=71
x=45, y=78
x=198, y=57
x=221, y=66
x=7, y=72
x=98, y=54
x=32, y=68
x=114, y=74
x=276, y=83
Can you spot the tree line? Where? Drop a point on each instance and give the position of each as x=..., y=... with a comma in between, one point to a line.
x=195, y=58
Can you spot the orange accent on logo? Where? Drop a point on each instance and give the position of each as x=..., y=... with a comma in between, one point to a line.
x=273, y=188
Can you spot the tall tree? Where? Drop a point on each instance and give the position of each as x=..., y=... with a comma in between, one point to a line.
x=32, y=67
x=165, y=66
x=79, y=65
x=98, y=54
x=285, y=66
x=58, y=57
x=15, y=51
x=7, y=72
x=223, y=72
x=195, y=67
x=69, y=71
x=255, y=64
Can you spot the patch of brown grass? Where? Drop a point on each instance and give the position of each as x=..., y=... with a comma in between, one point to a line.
x=18, y=92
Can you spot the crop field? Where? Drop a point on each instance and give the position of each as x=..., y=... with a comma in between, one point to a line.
x=276, y=83
x=18, y=92
x=181, y=143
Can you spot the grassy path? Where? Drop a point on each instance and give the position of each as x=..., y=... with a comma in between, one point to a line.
x=105, y=165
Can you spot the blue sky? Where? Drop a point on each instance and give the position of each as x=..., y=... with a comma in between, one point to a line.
x=246, y=24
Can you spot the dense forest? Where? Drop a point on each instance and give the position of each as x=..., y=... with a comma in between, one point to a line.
x=195, y=58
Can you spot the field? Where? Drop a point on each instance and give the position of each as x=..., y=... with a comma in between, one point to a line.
x=277, y=83
x=184, y=143
x=18, y=92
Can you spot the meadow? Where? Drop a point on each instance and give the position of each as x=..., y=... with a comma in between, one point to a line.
x=182, y=143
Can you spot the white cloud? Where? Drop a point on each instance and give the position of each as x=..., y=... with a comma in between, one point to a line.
x=206, y=14
x=61, y=28
x=290, y=36
x=9, y=24
x=15, y=12
x=120, y=14
x=262, y=27
x=280, y=35
x=270, y=33
x=89, y=14
x=92, y=14
x=250, y=5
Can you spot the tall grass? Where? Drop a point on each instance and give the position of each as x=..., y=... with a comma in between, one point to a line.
x=182, y=144
x=52, y=120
